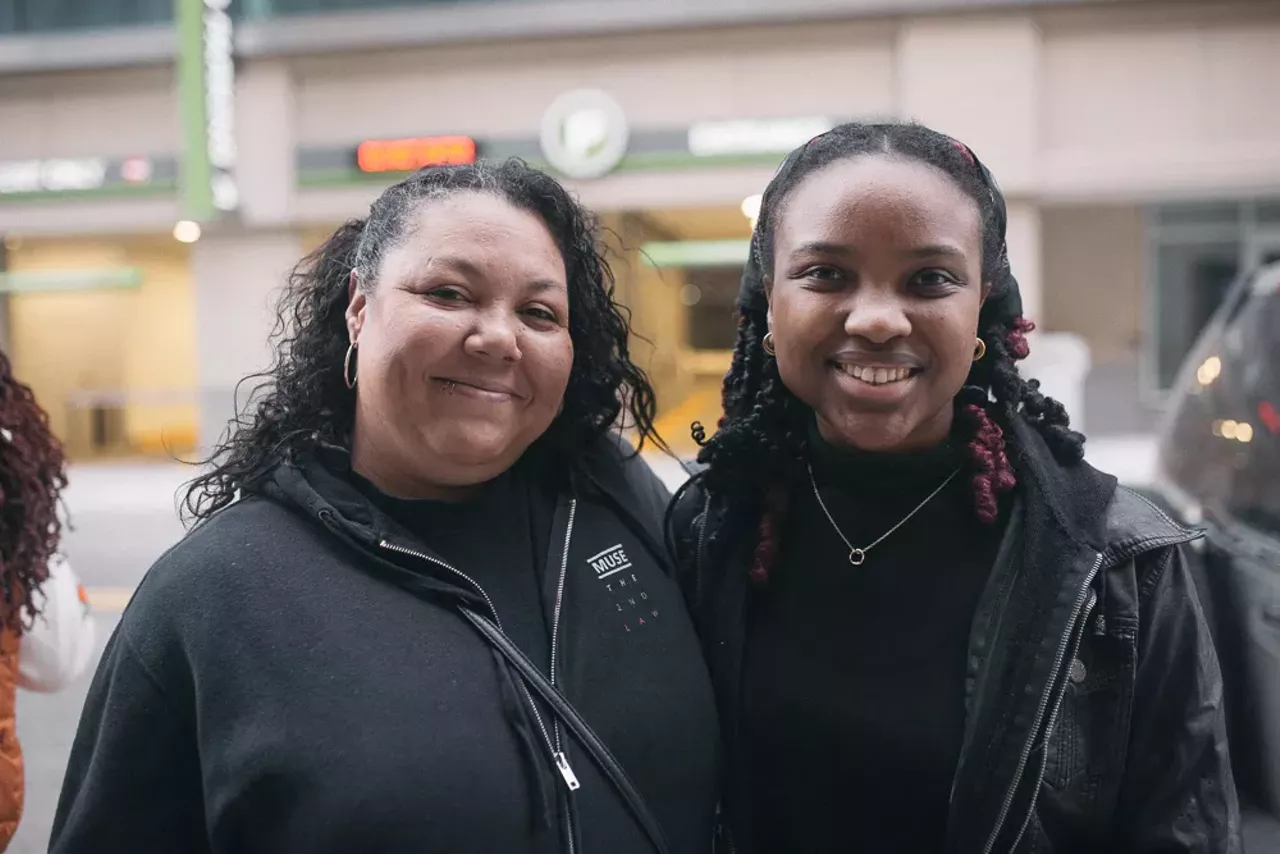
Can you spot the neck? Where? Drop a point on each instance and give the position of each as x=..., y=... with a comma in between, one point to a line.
x=397, y=481
x=894, y=468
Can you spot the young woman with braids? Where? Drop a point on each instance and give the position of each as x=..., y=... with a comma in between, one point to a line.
x=932, y=627
x=428, y=517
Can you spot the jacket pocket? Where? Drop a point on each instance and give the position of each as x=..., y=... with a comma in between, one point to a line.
x=1085, y=753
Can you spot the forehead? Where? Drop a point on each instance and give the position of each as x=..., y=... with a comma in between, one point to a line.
x=882, y=199
x=476, y=220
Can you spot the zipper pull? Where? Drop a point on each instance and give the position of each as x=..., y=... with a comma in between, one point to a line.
x=570, y=778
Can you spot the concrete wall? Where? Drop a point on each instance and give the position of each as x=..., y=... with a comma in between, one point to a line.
x=237, y=281
x=1093, y=274
x=123, y=112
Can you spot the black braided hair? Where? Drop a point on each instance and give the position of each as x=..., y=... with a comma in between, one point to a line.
x=760, y=443
x=302, y=401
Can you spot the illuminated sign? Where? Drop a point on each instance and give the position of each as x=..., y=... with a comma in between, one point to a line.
x=34, y=176
x=584, y=134
x=408, y=155
x=754, y=136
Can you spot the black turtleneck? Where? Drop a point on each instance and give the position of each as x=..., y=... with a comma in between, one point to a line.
x=854, y=676
x=499, y=537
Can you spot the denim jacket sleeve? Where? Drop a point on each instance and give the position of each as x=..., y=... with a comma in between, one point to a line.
x=1177, y=794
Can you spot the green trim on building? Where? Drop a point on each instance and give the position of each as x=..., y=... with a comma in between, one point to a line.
x=110, y=191
x=195, y=169
x=696, y=253
x=46, y=281
x=657, y=161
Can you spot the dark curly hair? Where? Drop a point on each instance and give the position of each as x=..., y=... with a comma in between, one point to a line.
x=32, y=475
x=303, y=402
x=761, y=438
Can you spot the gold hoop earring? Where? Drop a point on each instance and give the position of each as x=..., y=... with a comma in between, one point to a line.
x=347, y=376
x=767, y=343
x=980, y=350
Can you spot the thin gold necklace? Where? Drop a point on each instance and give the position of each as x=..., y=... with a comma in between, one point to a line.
x=858, y=556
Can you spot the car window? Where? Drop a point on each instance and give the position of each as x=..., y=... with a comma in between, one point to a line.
x=1221, y=443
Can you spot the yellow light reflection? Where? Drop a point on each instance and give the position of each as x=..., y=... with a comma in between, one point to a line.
x=1209, y=371
x=1244, y=432
x=1229, y=429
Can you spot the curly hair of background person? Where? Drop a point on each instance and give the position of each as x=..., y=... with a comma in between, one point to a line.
x=32, y=475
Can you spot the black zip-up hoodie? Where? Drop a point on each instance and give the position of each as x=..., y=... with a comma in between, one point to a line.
x=295, y=676
x=1093, y=712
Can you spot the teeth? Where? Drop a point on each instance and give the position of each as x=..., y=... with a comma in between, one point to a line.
x=876, y=376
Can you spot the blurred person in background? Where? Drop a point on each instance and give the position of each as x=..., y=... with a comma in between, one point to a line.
x=432, y=476
x=47, y=633
x=932, y=626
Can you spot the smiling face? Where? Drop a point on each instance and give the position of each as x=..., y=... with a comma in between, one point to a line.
x=874, y=298
x=463, y=347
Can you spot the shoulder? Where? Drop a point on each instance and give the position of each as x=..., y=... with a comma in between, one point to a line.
x=618, y=469
x=1135, y=526
x=689, y=506
x=217, y=565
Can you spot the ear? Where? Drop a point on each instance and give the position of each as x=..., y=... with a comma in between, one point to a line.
x=986, y=292
x=357, y=302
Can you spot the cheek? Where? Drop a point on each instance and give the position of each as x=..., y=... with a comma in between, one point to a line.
x=800, y=324
x=548, y=361
x=954, y=341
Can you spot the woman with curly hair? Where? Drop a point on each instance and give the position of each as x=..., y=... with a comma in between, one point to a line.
x=931, y=625
x=426, y=605
x=32, y=475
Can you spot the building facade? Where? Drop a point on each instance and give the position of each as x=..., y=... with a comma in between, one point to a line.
x=1135, y=142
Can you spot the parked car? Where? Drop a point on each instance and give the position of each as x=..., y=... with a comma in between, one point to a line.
x=1219, y=468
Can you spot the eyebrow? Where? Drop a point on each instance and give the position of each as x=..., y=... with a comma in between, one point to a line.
x=935, y=250
x=822, y=247
x=470, y=270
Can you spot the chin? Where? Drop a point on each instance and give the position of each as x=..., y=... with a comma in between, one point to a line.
x=875, y=433
x=478, y=447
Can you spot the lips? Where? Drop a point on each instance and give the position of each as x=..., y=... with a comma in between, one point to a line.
x=488, y=389
x=877, y=376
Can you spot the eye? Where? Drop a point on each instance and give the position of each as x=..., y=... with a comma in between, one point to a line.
x=822, y=274
x=934, y=280
x=541, y=313
x=447, y=294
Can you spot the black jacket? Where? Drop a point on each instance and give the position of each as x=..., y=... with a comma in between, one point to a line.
x=295, y=676
x=1093, y=715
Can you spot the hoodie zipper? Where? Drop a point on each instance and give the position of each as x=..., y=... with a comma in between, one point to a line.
x=554, y=745
x=557, y=756
x=1063, y=645
x=562, y=761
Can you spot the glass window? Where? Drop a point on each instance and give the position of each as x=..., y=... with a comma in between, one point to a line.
x=1191, y=280
x=711, y=295
x=34, y=16
x=1199, y=213
x=1267, y=212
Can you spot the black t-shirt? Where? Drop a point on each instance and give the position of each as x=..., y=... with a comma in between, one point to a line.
x=508, y=563
x=854, y=675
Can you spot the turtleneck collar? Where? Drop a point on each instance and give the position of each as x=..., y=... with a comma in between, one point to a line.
x=848, y=468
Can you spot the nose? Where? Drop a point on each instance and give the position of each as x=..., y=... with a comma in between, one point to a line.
x=494, y=336
x=877, y=315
